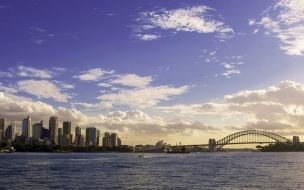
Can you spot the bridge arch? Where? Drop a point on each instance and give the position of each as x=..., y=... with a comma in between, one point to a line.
x=256, y=137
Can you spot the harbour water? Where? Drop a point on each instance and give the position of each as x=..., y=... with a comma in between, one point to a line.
x=242, y=170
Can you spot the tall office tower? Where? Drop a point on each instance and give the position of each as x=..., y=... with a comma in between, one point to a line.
x=91, y=136
x=78, y=137
x=106, y=140
x=59, y=135
x=114, y=140
x=45, y=134
x=2, y=128
x=37, y=130
x=53, y=129
x=118, y=142
x=77, y=131
x=97, y=138
x=27, y=127
x=10, y=132
x=67, y=127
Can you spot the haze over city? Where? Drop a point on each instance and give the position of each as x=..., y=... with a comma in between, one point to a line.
x=179, y=71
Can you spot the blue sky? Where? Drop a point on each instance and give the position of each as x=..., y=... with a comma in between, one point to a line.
x=165, y=65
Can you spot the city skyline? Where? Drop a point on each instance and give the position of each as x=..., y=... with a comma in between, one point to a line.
x=150, y=71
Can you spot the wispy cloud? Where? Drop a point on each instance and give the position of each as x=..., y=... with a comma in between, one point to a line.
x=145, y=97
x=191, y=19
x=285, y=21
x=132, y=80
x=43, y=89
x=92, y=74
x=25, y=71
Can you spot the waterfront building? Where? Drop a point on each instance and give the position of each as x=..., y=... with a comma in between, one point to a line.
x=79, y=139
x=118, y=142
x=111, y=140
x=91, y=136
x=27, y=127
x=59, y=135
x=53, y=129
x=97, y=138
x=77, y=131
x=114, y=137
x=37, y=130
x=67, y=127
x=45, y=134
x=106, y=140
x=66, y=140
x=10, y=132
x=2, y=128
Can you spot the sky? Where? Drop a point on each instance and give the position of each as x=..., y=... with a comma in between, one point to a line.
x=178, y=71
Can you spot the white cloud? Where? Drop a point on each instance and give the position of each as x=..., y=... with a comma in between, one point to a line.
x=147, y=37
x=229, y=73
x=9, y=89
x=42, y=89
x=105, y=85
x=133, y=80
x=93, y=106
x=191, y=19
x=5, y=74
x=145, y=97
x=24, y=71
x=133, y=126
x=60, y=69
x=93, y=74
x=285, y=21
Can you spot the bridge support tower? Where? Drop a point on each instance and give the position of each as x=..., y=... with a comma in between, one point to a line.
x=212, y=145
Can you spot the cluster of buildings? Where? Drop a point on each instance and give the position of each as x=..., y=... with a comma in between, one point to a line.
x=55, y=135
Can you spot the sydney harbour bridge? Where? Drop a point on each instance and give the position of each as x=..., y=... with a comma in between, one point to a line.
x=241, y=138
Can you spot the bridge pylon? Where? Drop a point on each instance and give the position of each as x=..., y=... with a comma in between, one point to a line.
x=212, y=145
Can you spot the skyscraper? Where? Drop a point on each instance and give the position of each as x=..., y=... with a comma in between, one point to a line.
x=97, y=138
x=111, y=140
x=79, y=139
x=10, y=132
x=59, y=135
x=2, y=128
x=77, y=131
x=67, y=127
x=53, y=129
x=91, y=136
x=114, y=139
x=37, y=130
x=106, y=140
x=27, y=127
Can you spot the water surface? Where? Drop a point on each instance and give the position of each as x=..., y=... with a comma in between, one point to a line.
x=155, y=171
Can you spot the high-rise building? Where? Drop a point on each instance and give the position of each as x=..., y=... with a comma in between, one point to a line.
x=59, y=135
x=97, y=138
x=53, y=129
x=45, y=134
x=27, y=127
x=66, y=140
x=111, y=140
x=37, y=130
x=67, y=127
x=106, y=140
x=77, y=131
x=91, y=136
x=114, y=139
x=2, y=128
x=118, y=142
x=79, y=139
x=10, y=132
